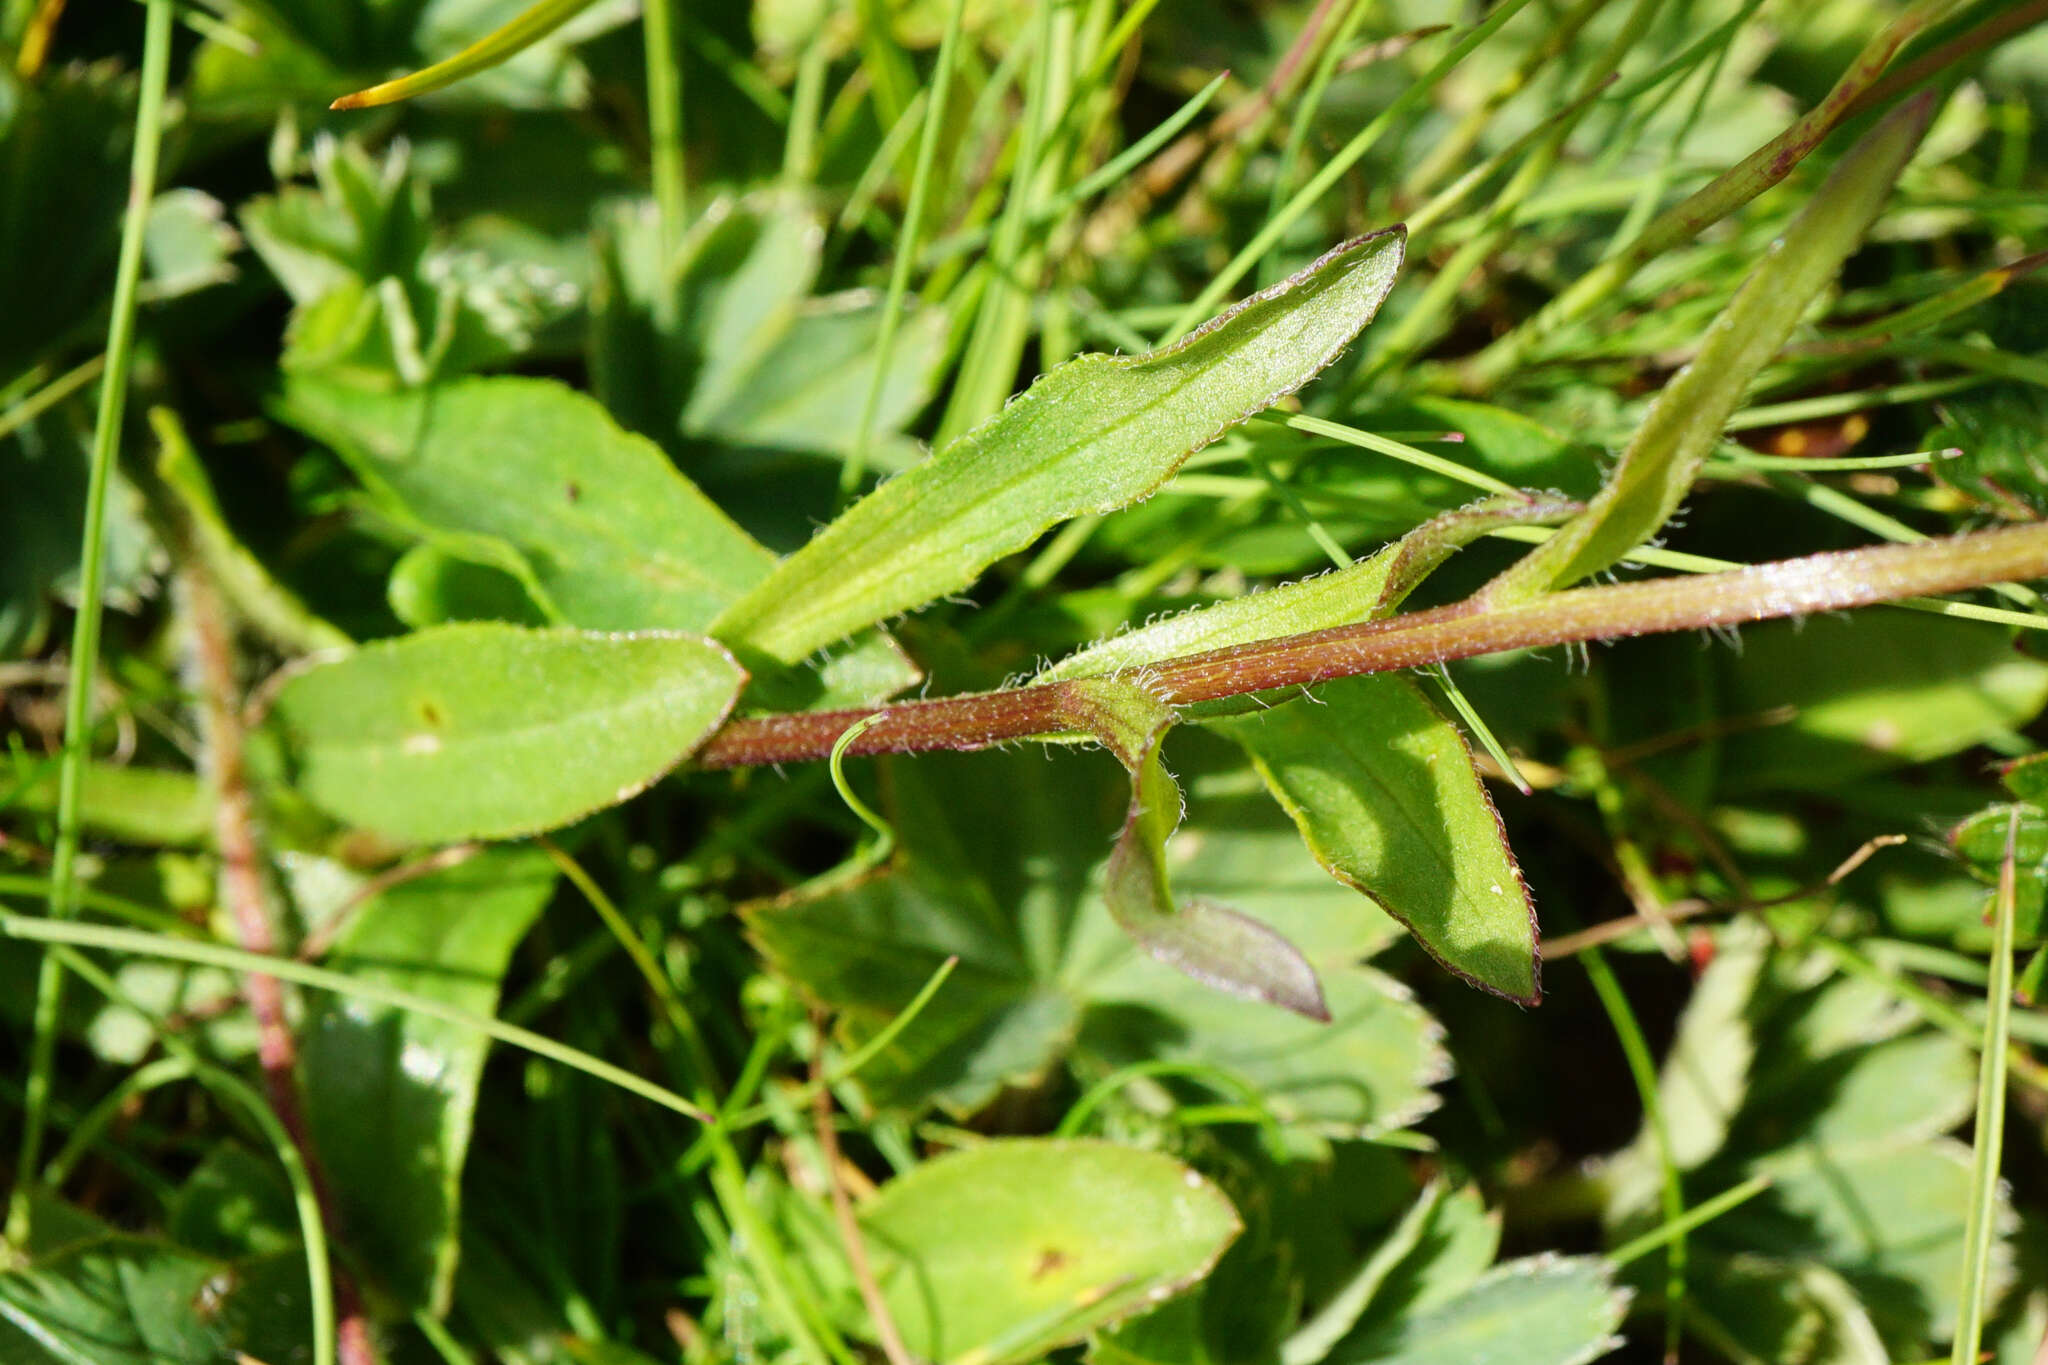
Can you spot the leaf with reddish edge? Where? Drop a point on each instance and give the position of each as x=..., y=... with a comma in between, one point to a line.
x=1385, y=792
x=1209, y=942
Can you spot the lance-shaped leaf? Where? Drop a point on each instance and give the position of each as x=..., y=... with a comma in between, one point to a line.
x=1385, y=792
x=1209, y=942
x=494, y=731
x=1685, y=422
x=1096, y=434
x=1368, y=590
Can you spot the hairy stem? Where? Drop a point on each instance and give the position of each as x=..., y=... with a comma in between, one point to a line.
x=1794, y=587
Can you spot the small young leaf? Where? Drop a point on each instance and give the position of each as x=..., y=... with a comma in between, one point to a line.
x=492, y=731
x=1685, y=422
x=390, y=1095
x=1384, y=791
x=1370, y=589
x=1545, y=1310
x=1007, y=1250
x=1211, y=943
x=1095, y=434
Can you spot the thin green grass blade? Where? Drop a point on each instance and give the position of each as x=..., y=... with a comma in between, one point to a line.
x=1684, y=425
x=499, y=45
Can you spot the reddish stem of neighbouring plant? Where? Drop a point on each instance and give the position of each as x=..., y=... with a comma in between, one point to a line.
x=241, y=860
x=1794, y=587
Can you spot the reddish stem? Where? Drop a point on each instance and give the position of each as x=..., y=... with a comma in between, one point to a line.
x=242, y=884
x=1795, y=587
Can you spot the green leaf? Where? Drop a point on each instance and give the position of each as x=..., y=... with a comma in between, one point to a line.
x=189, y=243
x=63, y=160
x=115, y=1301
x=1384, y=791
x=1995, y=430
x=1868, y=694
x=807, y=391
x=430, y=587
x=235, y=1203
x=489, y=731
x=1684, y=424
x=725, y=342
x=534, y=505
x=43, y=468
x=612, y=536
x=1368, y=590
x=390, y=1095
x=1545, y=1310
x=377, y=299
x=1211, y=943
x=1336, y=1318
x=1982, y=839
x=1364, y=1073
x=1012, y=1248
x=1705, y=1078
x=1753, y=1307
x=1000, y=860
x=1458, y=1242
x=160, y=807
x=1888, y=1216
x=2027, y=778
x=1095, y=434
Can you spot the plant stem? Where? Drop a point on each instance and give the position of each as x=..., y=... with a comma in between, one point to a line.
x=1973, y=1304
x=248, y=899
x=665, y=120
x=85, y=635
x=1822, y=582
